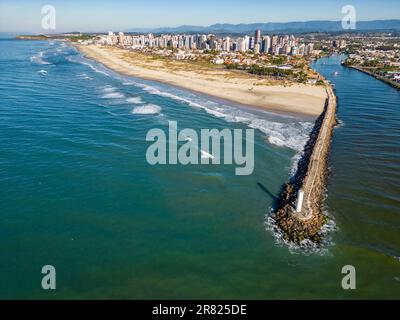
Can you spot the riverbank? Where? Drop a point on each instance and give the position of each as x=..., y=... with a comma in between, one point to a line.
x=388, y=81
x=220, y=83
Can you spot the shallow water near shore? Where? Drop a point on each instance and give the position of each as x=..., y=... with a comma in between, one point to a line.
x=77, y=192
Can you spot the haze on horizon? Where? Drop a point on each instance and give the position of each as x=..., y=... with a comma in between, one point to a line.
x=120, y=15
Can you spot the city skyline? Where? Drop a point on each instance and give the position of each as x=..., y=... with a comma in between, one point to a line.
x=123, y=15
x=258, y=43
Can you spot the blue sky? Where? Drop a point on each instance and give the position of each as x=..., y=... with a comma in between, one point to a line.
x=101, y=15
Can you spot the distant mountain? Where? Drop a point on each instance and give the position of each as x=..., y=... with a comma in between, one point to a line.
x=270, y=27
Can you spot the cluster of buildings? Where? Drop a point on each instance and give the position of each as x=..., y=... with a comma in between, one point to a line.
x=385, y=63
x=275, y=45
x=339, y=44
x=377, y=55
x=382, y=57
x=393, y=75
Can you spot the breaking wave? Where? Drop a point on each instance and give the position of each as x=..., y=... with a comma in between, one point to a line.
x=113, y=95
x=84, y=76
x=282, y=131
x=147, y=109
x=39, y=58
x=110, y=92
x=108, y=89
x=98, y=69
x=135, y=100
x=307, y=246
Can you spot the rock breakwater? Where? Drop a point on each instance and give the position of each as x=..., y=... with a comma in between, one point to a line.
x=310, y=178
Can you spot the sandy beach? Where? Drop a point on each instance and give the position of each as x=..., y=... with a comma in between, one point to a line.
x=229, y=85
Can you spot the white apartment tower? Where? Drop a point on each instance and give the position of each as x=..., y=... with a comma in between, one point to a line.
x=266, y=44
x=227, y=44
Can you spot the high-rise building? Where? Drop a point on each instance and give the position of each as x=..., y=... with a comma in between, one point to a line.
x=121, y=37
x=180, y=43
x=187, y=42
x=213, y=44
x=241, y=45
x=202, y=41
x=274, y=41
x=286, y=48
x=257, y=37
x=266, y=44
x=198, y=41
x=111, y=39
x=251, y=43
x=285, y=39
x=227, y=44
x=246, y=43
x=193, y=42
x=301, y=49
x=235, y=46
x=309, y=49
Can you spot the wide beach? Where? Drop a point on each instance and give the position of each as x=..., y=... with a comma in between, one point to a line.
x=224, y=84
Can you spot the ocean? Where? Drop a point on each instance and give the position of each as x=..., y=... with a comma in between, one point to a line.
x=77, y=192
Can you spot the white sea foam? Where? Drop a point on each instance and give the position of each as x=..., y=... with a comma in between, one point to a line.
x=155, y=91
x=290, y=134
x=97, y=70
x=147, y=109
x=108, y=89
x=84, y=76
x=135, y=100
x=306, y=247
x=90, y=65
x=113, y=95
x=38, y=58
x=42, y=72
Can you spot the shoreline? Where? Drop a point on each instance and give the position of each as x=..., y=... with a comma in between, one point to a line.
x=246, y=91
